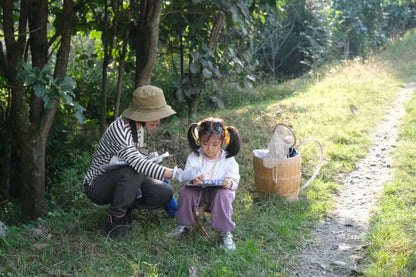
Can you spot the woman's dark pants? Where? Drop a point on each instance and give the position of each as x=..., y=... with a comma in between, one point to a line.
x=118, y=187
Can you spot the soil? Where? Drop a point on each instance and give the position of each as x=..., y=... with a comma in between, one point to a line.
x=338, y=242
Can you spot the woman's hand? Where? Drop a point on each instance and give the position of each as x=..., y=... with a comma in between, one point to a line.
x=168, y=173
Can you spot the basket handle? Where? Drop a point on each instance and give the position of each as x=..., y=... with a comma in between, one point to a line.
x=290, y=130
x=318, y=168
x=274, y=174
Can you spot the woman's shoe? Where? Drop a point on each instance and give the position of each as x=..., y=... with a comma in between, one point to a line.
x=114, y=226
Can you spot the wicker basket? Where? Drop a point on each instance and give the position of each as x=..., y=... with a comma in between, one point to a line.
x=282, y=180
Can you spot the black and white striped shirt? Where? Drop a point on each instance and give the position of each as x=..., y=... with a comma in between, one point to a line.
x=118, y=141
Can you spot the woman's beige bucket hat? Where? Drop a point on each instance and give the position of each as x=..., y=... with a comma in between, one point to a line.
x=148, y=104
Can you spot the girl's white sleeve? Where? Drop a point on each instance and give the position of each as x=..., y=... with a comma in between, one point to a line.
x=193, y=160
x=232, y=173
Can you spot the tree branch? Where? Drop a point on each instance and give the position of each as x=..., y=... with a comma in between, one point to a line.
x=61, y=64
x=216, y=31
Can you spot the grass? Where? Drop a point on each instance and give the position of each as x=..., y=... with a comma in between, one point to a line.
x=270, y=230
x=393, y=234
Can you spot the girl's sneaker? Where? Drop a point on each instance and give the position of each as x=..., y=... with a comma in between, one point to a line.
x=179, y=231
x=228, y=242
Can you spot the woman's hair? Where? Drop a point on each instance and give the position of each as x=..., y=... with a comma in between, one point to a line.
x=128, y=120
x=210, y=127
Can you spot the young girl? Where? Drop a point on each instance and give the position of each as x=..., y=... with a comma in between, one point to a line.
x=219, y=166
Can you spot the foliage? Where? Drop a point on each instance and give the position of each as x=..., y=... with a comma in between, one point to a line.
x=48, y=88
x=86, y=71
x=291, y=39
x=68, y=155
x=400, y=17
x=198, y=54
x=286, y=38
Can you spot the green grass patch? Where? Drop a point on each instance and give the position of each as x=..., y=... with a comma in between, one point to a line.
x=392, y=238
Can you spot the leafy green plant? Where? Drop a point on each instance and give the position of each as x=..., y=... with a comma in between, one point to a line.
x=47, y=87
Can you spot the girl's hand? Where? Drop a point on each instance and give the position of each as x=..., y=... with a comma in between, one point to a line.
x=198, y=180
x=227, y=184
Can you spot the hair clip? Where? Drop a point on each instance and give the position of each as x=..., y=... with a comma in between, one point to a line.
x=227, y=136
x=199, y=127
x=196, y=136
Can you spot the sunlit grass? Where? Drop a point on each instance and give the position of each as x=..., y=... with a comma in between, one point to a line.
x=270, y=230
x=393, y=235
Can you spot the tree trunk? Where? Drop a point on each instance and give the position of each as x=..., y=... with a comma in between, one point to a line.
x=32, y=161
x=193, y=106
x=104, y=82
x=33, y=175
x=346, y=48
x=9, y=62
x=108, y=47
x=5, y=154
x=33, y=124
x=147, y=34
x=32, y=164
x=216, y=31
x=33, y=157
x=109, y=33
x=6, y=135
x=121, y=69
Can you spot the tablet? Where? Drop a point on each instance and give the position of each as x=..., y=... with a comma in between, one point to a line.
x=207, y=183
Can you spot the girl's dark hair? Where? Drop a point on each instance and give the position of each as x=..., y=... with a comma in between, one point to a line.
x=214, y=126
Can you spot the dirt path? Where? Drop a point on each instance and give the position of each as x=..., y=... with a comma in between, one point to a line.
x=337, y=244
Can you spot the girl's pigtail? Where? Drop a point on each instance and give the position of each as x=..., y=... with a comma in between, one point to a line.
x=193, y=139
x=233, y=139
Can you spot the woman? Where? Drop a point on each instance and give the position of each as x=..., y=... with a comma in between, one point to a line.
x=124, y=140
